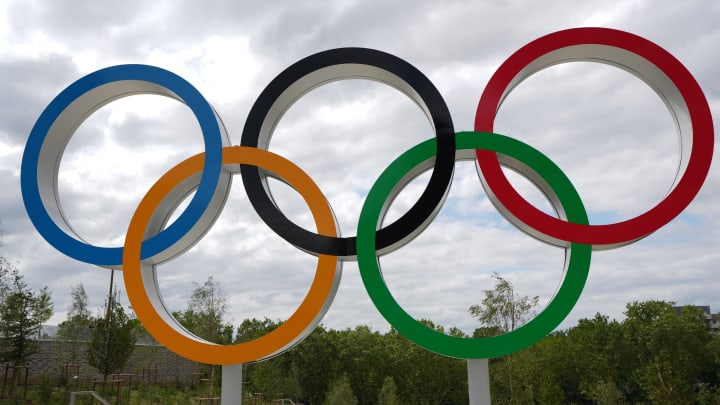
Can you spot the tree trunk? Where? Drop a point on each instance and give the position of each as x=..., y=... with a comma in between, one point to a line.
x=15, y=381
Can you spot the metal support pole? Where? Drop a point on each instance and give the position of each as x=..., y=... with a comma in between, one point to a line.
x=478, y=381
x=231, y=390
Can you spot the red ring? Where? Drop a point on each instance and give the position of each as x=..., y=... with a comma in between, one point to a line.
x=622, y=232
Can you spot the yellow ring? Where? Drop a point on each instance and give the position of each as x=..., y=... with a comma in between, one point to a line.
x=300, y=323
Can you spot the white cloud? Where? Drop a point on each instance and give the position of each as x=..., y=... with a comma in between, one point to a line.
x=223, y=68
x=608, y=131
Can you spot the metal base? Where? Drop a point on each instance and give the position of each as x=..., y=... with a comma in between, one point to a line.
x=231, y=390
x=478, y=381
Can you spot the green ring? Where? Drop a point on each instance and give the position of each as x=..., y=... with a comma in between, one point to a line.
x=559, y=307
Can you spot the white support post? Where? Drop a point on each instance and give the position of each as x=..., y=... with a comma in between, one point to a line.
x=231, y=390
x=478, y=381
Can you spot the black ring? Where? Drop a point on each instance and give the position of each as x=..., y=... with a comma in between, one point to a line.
x=340, y=64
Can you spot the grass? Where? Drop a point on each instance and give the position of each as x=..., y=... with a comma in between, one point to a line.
x=46, y=393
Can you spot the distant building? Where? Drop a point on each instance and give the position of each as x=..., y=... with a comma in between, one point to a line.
x=48, y=331
x=712, y=318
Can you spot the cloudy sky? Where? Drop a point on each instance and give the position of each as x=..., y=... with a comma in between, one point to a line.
x=605, y=128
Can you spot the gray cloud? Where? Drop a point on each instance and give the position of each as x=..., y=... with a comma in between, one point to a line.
x=26, y=88
x=608, y=132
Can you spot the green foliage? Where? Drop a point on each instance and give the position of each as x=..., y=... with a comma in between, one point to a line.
x=45, y=390
x=251, y=329
x=600, y=354
x=502, y=308
x=605, y=393
x=670, y=349
x=361, y=363
x=656, y=355
x=313, y=364
x=205, y=312
x=424, y=377
x=368, y=358
x=204, y=317
x=75, y=327
x=341, y=393
x=22, y=313
x=502, y=311
x=113, y=339
x=75, y=330
x=388, y=393
x=708, y=395
x=8, y=274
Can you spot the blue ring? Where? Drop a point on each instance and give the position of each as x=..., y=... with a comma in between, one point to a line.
x=112, y=256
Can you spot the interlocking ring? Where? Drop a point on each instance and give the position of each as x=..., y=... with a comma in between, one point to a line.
x=338, y=64
x=644, y=59
x=149, y=242
x=59, y=121
x=543, y=173
x=144, y=292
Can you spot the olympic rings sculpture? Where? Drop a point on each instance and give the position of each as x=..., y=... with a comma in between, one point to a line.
x=149, y=242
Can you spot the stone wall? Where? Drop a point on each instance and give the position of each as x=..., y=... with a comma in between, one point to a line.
x=54, y=356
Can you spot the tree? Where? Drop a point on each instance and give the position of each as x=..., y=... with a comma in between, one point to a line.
x=545, y=372
x=275, y=375
x=76, y=328
x=22, y=313
x=254, y=328
x=424, y=377
x=21, y=316
x=599, y=354
x=8, y=273
x=205, y=312
x=314, y=363
x=341, y=393
x=204, y=317
x=670, y=350
x=503, y=311
x=388, y=393
x=502, y=308
x=113, y=338
x=606, y=393
x=359, y=352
